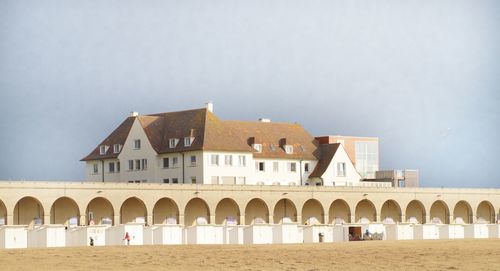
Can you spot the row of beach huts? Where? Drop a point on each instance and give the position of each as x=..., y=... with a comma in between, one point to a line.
x=17, y=236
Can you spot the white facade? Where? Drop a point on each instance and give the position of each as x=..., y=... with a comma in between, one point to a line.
x=399, y=231
x=47, y=236
x=13, y=236
x=341, y=171
x=116, y=235
x=426, y=232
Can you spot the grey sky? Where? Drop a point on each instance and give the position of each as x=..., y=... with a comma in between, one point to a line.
x=423, y=76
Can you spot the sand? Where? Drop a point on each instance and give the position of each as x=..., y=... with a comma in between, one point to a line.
x=367, y=255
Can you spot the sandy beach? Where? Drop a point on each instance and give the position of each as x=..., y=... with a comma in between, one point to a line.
x=368, y=255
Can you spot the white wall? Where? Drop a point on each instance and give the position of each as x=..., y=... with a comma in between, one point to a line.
x=223, y=170
x=351, y=177
x=283, y=176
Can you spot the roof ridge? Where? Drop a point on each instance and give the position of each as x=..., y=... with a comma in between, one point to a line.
x=173, y=112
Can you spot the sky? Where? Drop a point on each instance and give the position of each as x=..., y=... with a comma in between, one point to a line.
x=422, y=76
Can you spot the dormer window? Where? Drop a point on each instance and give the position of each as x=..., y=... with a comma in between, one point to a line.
x=289, y=149
x=103, y=149
x=137, y=144
x=272, y=147
x=117, y=148
x=257, y=147
x=188, y=141
x=172, y=142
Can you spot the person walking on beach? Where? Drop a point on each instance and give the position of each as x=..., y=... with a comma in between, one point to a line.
x=127, y=237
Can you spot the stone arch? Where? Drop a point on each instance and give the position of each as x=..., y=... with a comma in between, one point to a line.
x=365, y=212
x=462, y=213
x=3, y=213
x=485, y=212
x=165, y=211
x=440, y=213
x=65, y=211
x=100, y=211
x=256, y=212
x=196, y=212
x=415, y=212
x=133, y=209
x=339, y=212
x=390, y=212
x=227, y=212
x=312, y=213
x=28, y=211
x=284, y=208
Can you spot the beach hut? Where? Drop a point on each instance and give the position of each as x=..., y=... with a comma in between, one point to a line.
x=376, y=230
x=476, y=231
x=115, y=235
x=81, y=236
x=317, y=234
x=285, y=233
x=494, y=231
x=258, y=234
x=168, y=234
x=147, y=239
x=234, y=234
x=399, y=231
x=13, y=236
x=47, y=236
x=452, y=231
x=426, y=232
x=340, y=233
x=205, y=234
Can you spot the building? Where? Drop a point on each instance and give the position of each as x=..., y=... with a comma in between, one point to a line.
x=196, y=147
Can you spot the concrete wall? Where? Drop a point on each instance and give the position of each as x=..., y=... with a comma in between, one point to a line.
x=25, y=201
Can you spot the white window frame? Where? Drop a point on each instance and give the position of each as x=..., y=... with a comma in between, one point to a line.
x=103, y=149
x=288, y=149
x=188, y=141
x=167, y=160
x=130, y=165
x=242, y=160
x=95, y=168
x=276, y=166
x=214, y=159
x=228, y=160
x=257, y=166
x=257, y=147
x=137, y=144
x=175, y=161
x=117, y=148
x=341, y=169
x=306, y=167
x=173, y=142
x=292, y=166
x=111, y=167
x=193, y=160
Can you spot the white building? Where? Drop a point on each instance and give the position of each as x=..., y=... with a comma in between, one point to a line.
x=195, y=146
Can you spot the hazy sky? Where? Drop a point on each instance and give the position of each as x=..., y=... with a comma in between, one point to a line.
x=423, y=76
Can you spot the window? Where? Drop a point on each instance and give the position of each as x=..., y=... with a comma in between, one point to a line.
x=103, y=149
x=366, y=158
x=166, y=181
x=260, y=166
x=240, y=180
x=137, y=144
x=130, y=181
x=175, y=180
x=173, y=142
x=117, y=148
x=276, y=166
x=144, y=164
x=215, y=179
x=175, y=161
x=341, y=169
x=96, y=168
x=272, y=147
x=118, y=166
x=111, y=167
x=165, y=162
x=193, y=180
x=289, y=149
x=302, y=148
x=257, y=147
x=214, y=159
x=242, y=160
x=130, y=164
x=292, y=167
x=306, y=167
x=188, y=141
x=228, y=160
x=137, y=164
x=193, y=160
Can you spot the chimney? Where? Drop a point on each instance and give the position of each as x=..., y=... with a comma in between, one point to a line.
x=264, y=120
x=209, y=106
x=283, y=142
x=134, y=114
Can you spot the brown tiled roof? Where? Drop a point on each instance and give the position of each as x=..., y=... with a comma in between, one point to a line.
x=327, y=153
x=272, y=135
x=118, y=136
x=210, y=133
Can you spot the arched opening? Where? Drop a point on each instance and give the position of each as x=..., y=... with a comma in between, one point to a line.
x=100, y=212
x=165, y=211
x=256, y=212
x=485, y=213
x=339, y=212
x=440, y=214
x=391, y=212
x=133, y=210
x=196, y=213
x=415, y=212
x=3, y=214
x=462, y=214
x=28, y=211
x=365, y=212
x=312, y=213
x=65, y=211
x=227, y=212
x=285, y=211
